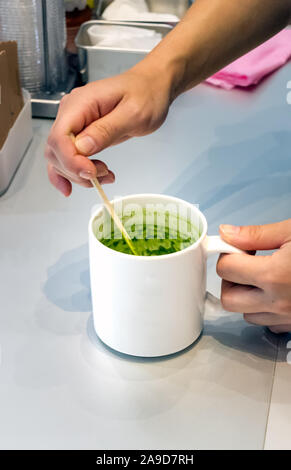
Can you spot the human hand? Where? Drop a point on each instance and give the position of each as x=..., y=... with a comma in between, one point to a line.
x=259, y=286
x=101, y=114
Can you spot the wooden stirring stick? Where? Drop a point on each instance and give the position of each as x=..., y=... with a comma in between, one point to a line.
x=110, y=209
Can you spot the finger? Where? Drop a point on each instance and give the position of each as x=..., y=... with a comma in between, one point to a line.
x=88, y=110
x=108, y=179
x=60, y=171
x=82, y=182
x=242, y=268
x=280, y=329
x=101, y=167
x=121, y=140
x=257, y=237
x=69, y=160
x=58, y=181
x=237, y=298
x=104, y=132
x=48, y=153
x=265, y=319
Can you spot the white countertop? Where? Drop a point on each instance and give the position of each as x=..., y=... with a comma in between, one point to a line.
x=60, y=387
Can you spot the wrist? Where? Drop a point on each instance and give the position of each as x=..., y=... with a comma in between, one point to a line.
x=164, y=72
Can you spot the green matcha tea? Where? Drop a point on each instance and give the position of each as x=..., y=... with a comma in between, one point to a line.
x=159, y=234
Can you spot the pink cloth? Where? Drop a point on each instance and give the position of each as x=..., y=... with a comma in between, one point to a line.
x=253, y=66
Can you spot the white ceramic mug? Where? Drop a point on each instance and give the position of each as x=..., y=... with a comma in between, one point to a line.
x=151, y=305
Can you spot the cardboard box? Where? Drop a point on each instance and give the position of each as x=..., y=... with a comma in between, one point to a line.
x=11, y=100
x=15, y=145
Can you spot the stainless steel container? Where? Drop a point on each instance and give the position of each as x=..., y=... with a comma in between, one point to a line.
x=96, y=62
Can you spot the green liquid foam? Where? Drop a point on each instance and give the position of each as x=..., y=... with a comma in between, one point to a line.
x=151, y=239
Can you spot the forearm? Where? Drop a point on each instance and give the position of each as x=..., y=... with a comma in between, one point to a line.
x=212, y=34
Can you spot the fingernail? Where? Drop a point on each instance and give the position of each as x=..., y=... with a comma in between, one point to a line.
x=102, y=172
x=230, y=229
x=85, y=144
x=106, y=179
x=86, y=174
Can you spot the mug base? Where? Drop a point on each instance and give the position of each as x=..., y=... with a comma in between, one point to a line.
x=163, y=355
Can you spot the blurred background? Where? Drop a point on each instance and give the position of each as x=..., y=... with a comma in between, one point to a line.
x=52, y=62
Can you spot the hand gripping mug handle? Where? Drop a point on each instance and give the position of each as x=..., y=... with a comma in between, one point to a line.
x=215, y=245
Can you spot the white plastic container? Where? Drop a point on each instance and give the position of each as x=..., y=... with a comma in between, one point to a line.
x=16, y=144
x=123, y=37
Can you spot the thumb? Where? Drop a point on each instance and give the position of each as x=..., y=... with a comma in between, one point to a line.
x=100, y=134
x=257, y=237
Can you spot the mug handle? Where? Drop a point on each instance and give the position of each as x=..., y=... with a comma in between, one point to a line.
x=215, y=245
